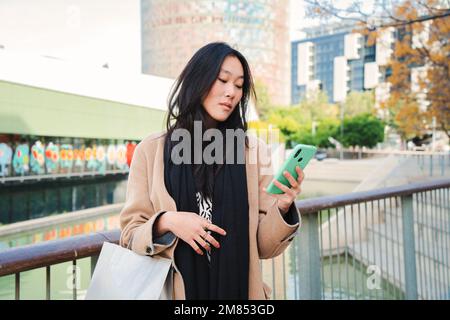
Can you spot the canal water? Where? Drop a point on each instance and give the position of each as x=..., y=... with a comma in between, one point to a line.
x=26, y=202
x=21, y=203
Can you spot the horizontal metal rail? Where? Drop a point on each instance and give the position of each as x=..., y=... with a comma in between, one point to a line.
x=53, y=252
x=329, y=202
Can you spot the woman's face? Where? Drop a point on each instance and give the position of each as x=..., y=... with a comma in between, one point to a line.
x=226, y=91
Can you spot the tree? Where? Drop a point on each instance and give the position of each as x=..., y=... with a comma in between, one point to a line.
x=263, y=104
x=363, y=130
x=424, y=46
x=358, y=103
x=287, y=120
x=316, y=107
x=325, y=128
x=423, y=32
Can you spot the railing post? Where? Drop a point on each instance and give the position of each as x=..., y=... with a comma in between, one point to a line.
x=409, y=248
x=308, y=259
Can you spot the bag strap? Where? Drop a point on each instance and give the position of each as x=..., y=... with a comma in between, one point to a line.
x=130, y=241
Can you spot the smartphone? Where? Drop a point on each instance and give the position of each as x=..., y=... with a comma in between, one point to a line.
x=300, y=156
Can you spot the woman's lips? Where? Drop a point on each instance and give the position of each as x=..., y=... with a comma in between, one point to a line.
x=226, y=106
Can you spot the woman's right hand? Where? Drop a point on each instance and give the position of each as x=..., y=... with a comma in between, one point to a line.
x=191, y=228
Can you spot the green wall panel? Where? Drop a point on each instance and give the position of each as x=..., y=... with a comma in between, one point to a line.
x=36, y=111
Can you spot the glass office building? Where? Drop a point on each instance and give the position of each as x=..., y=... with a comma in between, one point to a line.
x=172, y=30
x=333, y=59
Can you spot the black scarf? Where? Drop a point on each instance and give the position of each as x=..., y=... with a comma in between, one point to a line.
x=226, y=275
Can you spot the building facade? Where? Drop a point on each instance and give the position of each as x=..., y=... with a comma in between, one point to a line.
x=334, y=59
x=173, y=30
x=59, y=118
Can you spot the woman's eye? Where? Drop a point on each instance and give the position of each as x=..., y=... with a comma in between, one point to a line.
x=225, y=81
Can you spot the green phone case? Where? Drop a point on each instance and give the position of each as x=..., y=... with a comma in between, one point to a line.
x=300, y=156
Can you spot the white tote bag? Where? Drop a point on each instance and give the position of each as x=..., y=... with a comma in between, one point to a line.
x=121, y=274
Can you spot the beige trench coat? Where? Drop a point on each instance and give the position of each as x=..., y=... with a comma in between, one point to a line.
x=147, y=198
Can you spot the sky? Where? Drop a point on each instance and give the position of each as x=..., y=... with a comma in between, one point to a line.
x=92, y=32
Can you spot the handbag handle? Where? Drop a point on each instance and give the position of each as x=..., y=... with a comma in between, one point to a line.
x=130, y=242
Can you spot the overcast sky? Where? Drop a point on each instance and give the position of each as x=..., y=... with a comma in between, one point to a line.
x=89, y=31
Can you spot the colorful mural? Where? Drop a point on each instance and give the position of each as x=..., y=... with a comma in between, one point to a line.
x=130, y=151
x=66, y=156
x=111, y=155
x=101, y=159
x=89, y=157
x=78, y=156
x=53, y=158
x=5, y=158
x=21, y=159
x=37, y=159
x=121, y=157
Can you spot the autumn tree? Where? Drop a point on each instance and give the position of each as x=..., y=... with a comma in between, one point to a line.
x=418, y=72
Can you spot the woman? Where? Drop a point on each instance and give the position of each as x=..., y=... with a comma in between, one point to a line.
x=215, y=220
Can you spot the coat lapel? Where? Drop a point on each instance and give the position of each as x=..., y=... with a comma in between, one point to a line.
x=161, y=198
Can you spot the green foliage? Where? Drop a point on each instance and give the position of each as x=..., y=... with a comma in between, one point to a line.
x=363, y=130
x=295, y=123
x=263, y=103
x=358, y=103
x=285, y=120
x=324, y=129
x=317, y=108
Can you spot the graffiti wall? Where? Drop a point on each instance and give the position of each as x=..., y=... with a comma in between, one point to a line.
x=37, y=158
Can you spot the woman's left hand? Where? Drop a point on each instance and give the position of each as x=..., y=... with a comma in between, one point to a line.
x=290, y=194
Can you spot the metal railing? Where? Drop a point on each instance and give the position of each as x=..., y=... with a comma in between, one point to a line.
x=390, y=243
x=378, y=244
x=47, y=254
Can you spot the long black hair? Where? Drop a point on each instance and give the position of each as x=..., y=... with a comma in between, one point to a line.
x=187, y=96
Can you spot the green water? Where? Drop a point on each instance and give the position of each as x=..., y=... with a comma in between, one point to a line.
x=33, y=282
x=345, y=278
x=26, y=202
